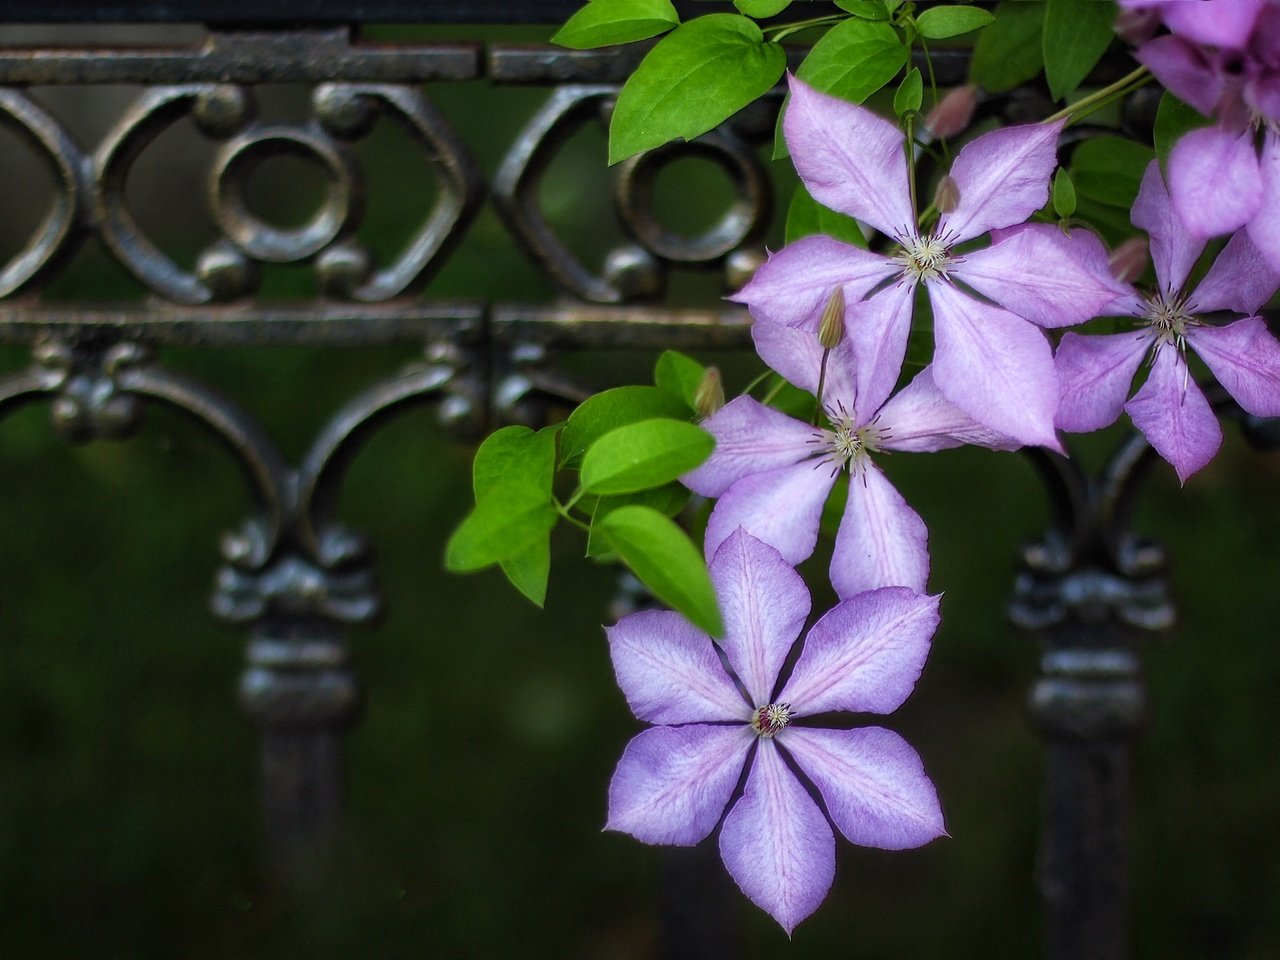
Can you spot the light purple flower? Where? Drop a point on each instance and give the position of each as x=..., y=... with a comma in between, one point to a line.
x=718, y=709
x=1095, y=372
x=989, y=360
x=772, y=473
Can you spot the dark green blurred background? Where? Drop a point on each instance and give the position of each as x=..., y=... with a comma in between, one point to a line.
x=128, y=811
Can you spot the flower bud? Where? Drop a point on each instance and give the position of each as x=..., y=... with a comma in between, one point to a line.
x=709, y=397
x=953, y=112
x=831, y=330
x=1129, y=260
x=947, y=197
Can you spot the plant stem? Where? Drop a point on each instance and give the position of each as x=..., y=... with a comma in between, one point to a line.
x=563, y=510
x=782, y=31
x=1100, y=98
x=822, y=382
x=755, y=383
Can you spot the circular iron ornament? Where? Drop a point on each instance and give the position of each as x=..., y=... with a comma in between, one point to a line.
x=217, y=109
x=56, y=237
x=744, y=220
x=237, y=160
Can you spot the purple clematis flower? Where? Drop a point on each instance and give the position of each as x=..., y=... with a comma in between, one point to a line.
x=991, y=361
x=773, y=473
x=716, y=710
x=1095, y=372
x=1223, y=58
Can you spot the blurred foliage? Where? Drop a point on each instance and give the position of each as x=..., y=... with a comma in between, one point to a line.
x=128, y=806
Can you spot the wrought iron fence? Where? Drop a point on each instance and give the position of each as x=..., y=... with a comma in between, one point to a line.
x=294, y=576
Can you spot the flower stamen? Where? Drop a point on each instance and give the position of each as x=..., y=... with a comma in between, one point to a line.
x=1169, y=317
x=924, y=258
x=847, y=445
x=769, y=719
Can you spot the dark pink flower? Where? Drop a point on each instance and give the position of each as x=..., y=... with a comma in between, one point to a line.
x=1223, y=58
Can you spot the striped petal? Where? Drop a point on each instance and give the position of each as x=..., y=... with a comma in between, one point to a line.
x=669, y=670
x=673, y=783
x=872, y=782
x=881, y=542
x=865, y=654
x=777, y=844
x=765, y=604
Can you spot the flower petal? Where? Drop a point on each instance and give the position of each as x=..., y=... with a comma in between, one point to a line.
x=850, y=159
x=1214, y=181
x=1216, y=23
x=750, y=438
x=797, y=355
x=1043, y=276
x=994, y=366
x=1174, y=251
x=919, y=419
x=1240, y=279
x=1094, y=376
x=1245, y=358
x=669, y=670
x=877, y=331
x=865, y=654
x=881, y=542
x=873, y=783
x=782, y=507
x=673, y=783
x=1264, y=229
x=765, y=604
x=792, y=287
x=1174, y=416
x=777, y=844
x=1003, y=178
x=1184, y=69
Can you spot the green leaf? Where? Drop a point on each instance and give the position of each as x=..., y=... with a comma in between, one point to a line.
x=866, y=9
x=854, y=59
x=679, y=375
x=515, y=454
x=1173, y=119
x=1110, y=169
x=666, y=561
x=529, y=569
x=806, y=217
x=520, y=456
x=910, y=93
x=1112, y=222
x=611, y=409
x=761, y=9
x=668, y=500
x=1064, y=194
x=1076, y=35
x=604, y=22
x=1008, y=52
x=645, y=454
x=939, y=23
x=507, y=519
x=699, y=75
